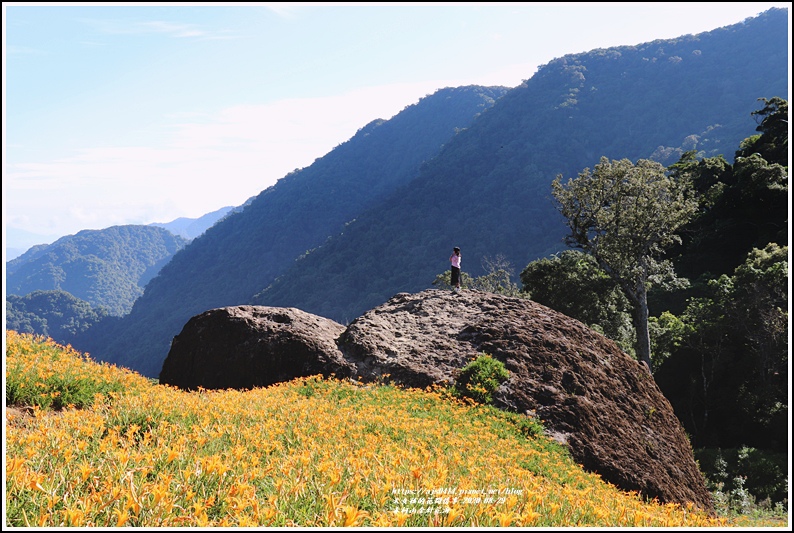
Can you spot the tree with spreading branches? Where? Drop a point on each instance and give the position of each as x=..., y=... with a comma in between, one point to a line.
x=625, y=215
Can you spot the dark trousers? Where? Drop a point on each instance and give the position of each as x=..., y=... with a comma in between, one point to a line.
x=455, y=277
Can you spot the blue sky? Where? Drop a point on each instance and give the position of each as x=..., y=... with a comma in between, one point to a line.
x=138, y=113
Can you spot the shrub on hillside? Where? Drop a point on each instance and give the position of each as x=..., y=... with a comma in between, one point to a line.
x=480, y=378
x=745, y=479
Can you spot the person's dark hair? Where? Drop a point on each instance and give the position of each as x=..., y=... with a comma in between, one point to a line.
x=456, y=249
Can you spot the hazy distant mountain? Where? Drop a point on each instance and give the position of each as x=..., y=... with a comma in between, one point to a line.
x=380, y=213
x=18, y=241
x=107, y=268
x=190, y=228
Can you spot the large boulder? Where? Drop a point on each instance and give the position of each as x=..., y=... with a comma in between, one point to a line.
x=602, y=404
x=249, y=346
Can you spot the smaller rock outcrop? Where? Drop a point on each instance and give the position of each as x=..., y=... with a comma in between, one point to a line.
x=249, y=346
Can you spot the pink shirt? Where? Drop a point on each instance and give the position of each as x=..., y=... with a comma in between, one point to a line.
x=455, y=260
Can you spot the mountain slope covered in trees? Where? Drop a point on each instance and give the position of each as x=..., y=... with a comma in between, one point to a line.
x=488, y=190
x=55, y=314
x=106, y=268
x=244, y=252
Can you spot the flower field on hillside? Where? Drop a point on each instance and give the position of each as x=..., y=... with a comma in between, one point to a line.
x=311, y=452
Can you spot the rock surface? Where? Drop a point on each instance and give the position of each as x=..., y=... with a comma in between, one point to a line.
x=590, y=395
x=250, y=346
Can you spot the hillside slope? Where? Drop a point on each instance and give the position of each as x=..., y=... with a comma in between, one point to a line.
x=308, y=453
x=244, y=252
x=106, y=268
x=488, y=191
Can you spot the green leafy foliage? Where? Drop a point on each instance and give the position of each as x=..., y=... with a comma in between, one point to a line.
x=728, y=379
x=772, y=143
x=480, y=379
x=625, y=215
x=55, y=314
x=497, y=280
x=742, y=206
x=572, y=283
x=667, y=333
x=444, y=280
x=745, y=480
x=498, y=277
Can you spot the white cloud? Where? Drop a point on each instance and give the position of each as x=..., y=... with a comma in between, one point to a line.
x=160, y=27
x=205, y=163
x=21, y=50
x=285, y=9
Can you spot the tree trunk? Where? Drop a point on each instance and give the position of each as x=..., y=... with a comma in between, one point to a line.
x=640, y=315
x=637, y=294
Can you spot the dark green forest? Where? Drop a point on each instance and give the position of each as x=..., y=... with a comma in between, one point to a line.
x=56, y=314
x=734, y=343
x=106, y=268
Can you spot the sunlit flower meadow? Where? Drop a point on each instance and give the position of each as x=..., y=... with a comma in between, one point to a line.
x=312, y=452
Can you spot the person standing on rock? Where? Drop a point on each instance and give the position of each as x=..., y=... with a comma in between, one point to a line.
x=454, y=260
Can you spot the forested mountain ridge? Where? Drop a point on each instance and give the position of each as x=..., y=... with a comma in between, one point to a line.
x=488, y=192
x=245, y=251
x=106, y=268
x=55, y=314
